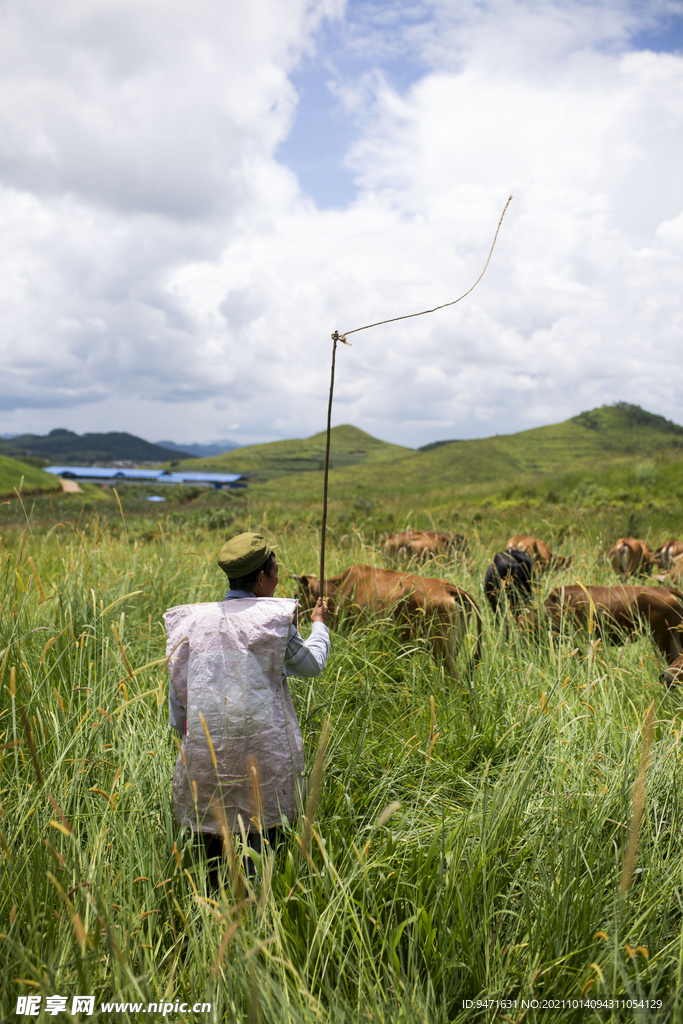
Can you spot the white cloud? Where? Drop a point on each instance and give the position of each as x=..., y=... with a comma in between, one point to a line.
x=157, y=107
x=162, y=273
x=132, y=136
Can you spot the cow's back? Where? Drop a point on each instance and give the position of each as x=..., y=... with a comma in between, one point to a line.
x=366, y=585
x=370, y=587
x=616, y=610
x=612, y=600
x=418, y=543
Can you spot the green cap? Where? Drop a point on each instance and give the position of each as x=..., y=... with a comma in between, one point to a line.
x=243, y=554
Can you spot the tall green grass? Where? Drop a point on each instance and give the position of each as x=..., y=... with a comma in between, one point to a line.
x=468, y=842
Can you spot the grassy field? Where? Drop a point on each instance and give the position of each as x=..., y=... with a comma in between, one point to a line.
x=469, y=841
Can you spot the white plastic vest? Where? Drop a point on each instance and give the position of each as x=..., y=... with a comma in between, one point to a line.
x=235, y=680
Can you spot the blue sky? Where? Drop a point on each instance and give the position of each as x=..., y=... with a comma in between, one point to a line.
x=194, y=195
x=664, y=36
x=323, y=130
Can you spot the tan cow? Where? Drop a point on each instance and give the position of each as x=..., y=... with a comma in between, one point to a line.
x=539, y=551
x=665, y=554
x=674, y=574
x=423, y=544
x=619, y=612
x=630, y=557
x=420, y=604
x=673, y=673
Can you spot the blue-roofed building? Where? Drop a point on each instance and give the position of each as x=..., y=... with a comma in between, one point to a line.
x=102, y=475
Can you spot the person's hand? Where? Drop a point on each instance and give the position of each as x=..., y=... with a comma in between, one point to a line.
x=321, y=612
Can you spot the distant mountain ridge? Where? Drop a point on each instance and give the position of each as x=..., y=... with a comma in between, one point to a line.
x=201, y=451
x=64, y=447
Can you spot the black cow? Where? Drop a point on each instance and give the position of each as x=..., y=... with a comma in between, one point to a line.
x=510, y=572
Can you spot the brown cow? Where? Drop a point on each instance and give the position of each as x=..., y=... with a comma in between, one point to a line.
x=673, y=673
x=630, y=557
x=417, y=602
x=540, y=552
x=423, y=544
x=674, y=574
x=665, y=554
x=618, y=612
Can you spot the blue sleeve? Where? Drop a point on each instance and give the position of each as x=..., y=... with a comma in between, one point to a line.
x=307, y=657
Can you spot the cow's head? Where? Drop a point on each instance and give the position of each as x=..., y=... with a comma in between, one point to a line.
x=309, y=591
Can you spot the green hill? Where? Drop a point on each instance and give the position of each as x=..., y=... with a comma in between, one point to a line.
x=35, y=481
x=605, y=433
x=350, y=447
x=602, y=435
x=362, y=464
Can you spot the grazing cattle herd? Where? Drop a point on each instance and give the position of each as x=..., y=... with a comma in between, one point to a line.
x=433, y=607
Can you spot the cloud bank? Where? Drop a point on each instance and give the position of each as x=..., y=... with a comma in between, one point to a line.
x=163, y=271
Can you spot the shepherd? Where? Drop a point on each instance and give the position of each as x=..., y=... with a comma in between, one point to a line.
x=241, y=762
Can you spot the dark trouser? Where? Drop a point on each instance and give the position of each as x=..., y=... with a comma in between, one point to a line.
x=269, y=839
